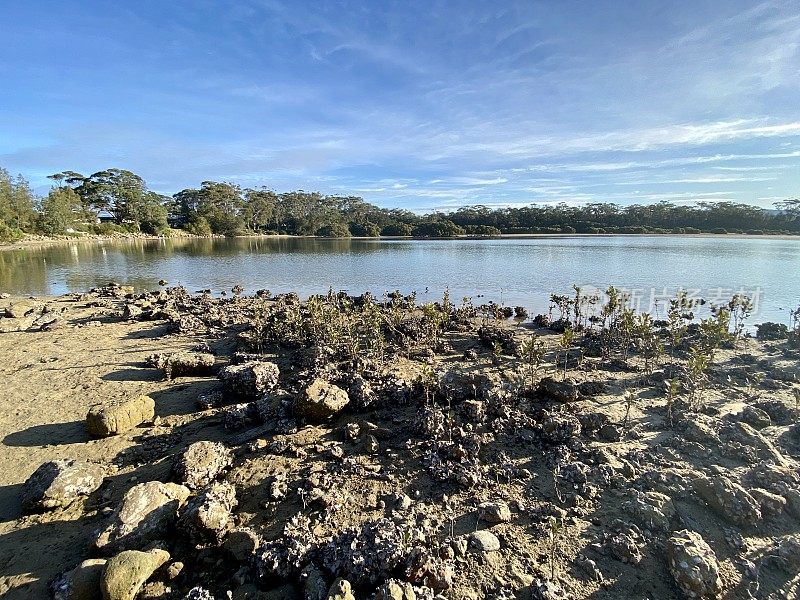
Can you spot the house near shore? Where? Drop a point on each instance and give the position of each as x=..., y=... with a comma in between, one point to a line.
x=105, y=217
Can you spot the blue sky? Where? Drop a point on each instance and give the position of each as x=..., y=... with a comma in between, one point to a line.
x=419, y=105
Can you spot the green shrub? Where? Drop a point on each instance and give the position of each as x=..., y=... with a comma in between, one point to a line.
x=399, y=229
x=334, y=230
x=199, y=226
x=9, y=234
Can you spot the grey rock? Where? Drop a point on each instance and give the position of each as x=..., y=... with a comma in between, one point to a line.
x=693, y=565
x=82, y=583
x=59, y=483
x=484, y=541
x=320, y=401
x=251, y=379
x=201, y=463
x=494, y=512
x=562, y=391
x=182, y=364
x=559, y=428
x=341, y=590
x=728, y=499
x=207, y=516
x=242, y=543
x=145, y=513
x=394, y=589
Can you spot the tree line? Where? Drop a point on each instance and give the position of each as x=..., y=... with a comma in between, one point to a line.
x=128, y=205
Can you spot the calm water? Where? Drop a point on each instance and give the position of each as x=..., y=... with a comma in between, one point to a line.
x=519, y=271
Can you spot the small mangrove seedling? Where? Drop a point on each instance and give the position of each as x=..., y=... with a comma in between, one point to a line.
x=671, y=386
x=629, y=399
x=565, y=343
x=555, y=530
x=696, y=377
x=740, y=308
x=532, y=351
x=796, y=392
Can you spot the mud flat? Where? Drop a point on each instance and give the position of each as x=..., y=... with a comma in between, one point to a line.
x=176, y=445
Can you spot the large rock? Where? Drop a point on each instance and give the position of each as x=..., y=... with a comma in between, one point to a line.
x=182, y=364
x=59, y=483
x=144, y=515
x=494, y=512
x=320, y=401
x=395, y=589
x=559, y=428
x=341, y=590
x=82, y=583
x=118, y=417
x=8, y=325
x=23, y=308
x=651, y=510
x=561, y=391
x=201, y=463
x=484, y=541
x=251, y=379
x=125, y=573
x=208, y=516
x=693, y=565
x=728, y=499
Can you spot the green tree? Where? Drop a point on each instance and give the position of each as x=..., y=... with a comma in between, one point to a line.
x=220, y=204
x=259, y=208
x=59, y=210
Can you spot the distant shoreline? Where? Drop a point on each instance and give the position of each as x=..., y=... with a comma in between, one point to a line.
x=40, y=241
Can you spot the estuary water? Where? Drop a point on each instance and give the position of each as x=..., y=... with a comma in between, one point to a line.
x=515, y=271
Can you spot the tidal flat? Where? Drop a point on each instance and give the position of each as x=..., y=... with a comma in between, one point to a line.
x=348, y=446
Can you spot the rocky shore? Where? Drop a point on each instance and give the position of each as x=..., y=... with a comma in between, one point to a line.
x=175, y=445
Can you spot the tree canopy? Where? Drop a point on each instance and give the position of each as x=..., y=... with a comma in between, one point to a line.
x=225, y=208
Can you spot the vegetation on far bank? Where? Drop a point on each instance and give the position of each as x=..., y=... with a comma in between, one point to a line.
x=75, y=201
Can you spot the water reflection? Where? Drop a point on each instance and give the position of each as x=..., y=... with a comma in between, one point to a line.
x=517, y=271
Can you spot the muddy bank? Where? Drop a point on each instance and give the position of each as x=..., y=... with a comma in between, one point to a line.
x=168, y=445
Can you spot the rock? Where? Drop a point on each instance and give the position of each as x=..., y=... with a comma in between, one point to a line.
x=561, y=391
x=182, y=364
x=201, y=463
x=695, y=430
x=320, y=401
x=58, y=483
x=589, y=389
x=771, y=504
x=745, y=434
x=558, y=428
x=131, y=312
x=198, y=593
x=207, y=516
x=651, y=510
x=315, y=586
x=251, y=379
x=693, y=565
x=610, y=432
x=341, y=590
x=125, y=573
x=789, y=553
x=23, y=308
x=8, y=325
x=114, y=418
x=395, y=590
x=484, y=541
x=242, y=543
x=728, y=499
x=143, y=516
x=494, y=512
x=755, y=417
x=82, y=583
